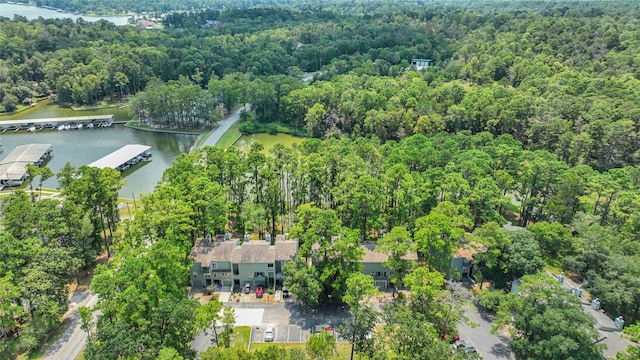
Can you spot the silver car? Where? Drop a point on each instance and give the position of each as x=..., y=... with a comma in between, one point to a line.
x=269, y=334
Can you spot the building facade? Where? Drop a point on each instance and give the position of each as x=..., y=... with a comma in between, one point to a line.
x=233, y=263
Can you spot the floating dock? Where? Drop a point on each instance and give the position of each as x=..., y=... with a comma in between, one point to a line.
x=60, y=123
x=124, y=158
x=13, y=169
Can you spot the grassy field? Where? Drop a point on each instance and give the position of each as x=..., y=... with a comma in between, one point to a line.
x=231, y=135
x=240, y=337
x=100, y=105
x=343, y=350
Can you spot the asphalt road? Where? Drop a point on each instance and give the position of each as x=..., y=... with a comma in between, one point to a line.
x=223, y=126
x=72, y=341
x=490, y=346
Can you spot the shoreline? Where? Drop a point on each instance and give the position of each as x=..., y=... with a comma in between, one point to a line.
x=162, y=130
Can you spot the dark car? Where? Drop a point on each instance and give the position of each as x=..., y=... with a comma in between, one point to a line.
x=259, y=291
x=285, y=292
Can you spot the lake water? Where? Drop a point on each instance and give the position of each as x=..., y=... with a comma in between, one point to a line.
x=82, y=147
x=244, y=142
x=33, y=12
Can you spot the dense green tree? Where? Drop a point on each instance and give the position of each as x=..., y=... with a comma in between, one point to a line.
x=397, y=244
x=548, y=322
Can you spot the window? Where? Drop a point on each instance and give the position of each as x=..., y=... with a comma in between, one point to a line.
x=195, y=275
x=381, y=274
x=258, y=274
x=269, y=265
x=214, y=265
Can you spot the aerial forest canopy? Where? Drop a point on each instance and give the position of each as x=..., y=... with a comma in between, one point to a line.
x=529, y=114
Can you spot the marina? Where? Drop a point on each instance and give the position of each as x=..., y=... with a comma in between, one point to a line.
x=13, y=169
x=123, y=158
x=59, y=123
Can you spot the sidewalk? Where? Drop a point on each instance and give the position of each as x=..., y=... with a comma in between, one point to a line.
x=605, y=325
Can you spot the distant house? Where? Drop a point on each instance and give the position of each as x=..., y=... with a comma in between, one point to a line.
x=211, y=24
x=463, y=264
x=232, y=263
x=26, y=101
x=146, y=24
x=420, y=64
x=373, y=262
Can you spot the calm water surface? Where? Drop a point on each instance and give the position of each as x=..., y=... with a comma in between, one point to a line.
x=82, y=147
x=33, y=12
x=244, y=143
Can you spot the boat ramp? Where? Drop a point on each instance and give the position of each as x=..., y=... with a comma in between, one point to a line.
x=59, y=123
x=123, y=158
x=13, y=169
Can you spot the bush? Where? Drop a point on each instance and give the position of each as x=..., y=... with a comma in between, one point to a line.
x=490, y=299
x=271, y=128
x=270, y=291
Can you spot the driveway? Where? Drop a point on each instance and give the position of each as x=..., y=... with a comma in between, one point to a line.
x=488, y=345
x=607, y=330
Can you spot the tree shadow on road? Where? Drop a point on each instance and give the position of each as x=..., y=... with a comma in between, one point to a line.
x=501, y=351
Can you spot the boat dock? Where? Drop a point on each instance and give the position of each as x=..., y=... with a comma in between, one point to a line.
x=124, y=158
x=13, y=169
x=60, y=123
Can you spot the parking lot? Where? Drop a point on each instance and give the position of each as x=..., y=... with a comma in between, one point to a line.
x=283, y=333
x=286, y=333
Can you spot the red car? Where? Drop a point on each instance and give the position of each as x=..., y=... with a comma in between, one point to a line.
x=259, y=291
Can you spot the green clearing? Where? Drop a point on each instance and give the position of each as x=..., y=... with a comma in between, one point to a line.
x=230, y=136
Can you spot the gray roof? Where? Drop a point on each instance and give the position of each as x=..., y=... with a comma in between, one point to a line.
x=14, y=166
x=254, y=252
x=30, y=153
x=56, y=120
x=120, y=156
x=250, y=252
x=286, y=249
x=371, y=255
x=204, y=252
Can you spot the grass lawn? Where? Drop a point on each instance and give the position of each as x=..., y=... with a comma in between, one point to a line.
x=229, y=137
x=100, y=105
x=240, y=337
x=553, y=266
x=343, y=350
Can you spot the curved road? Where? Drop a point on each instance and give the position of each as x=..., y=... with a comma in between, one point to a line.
x=223, y=126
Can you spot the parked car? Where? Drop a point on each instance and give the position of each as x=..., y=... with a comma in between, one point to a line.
x=247, y=288
x=285, y=292
x=269, y=334
x=259, y=291
x=460, y=344
x=318, y=328
x=368, y=335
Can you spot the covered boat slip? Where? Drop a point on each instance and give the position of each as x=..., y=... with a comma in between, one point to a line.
x=54, y=122
x=13, y=169
x=124, y=158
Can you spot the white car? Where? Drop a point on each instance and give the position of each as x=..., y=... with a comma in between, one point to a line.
x=269, y=334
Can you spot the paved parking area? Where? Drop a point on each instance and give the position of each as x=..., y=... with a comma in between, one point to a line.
x=283, y=333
